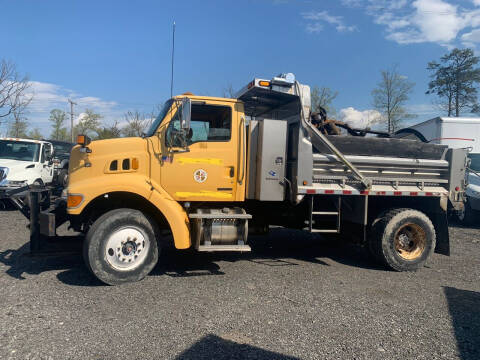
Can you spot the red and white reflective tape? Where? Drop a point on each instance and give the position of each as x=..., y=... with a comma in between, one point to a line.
x=371, y=192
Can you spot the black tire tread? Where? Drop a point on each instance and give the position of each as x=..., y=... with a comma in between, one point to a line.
x=375, y=243
x=104, y=220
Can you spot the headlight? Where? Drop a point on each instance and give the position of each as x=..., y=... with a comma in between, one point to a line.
x=16, y=183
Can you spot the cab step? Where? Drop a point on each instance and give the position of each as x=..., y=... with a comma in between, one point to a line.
x=318, y=212
x=240, y=248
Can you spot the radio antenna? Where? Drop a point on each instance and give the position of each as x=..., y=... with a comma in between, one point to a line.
x=173, y=53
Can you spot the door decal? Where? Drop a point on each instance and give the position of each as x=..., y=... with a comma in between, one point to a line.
x=200, y=175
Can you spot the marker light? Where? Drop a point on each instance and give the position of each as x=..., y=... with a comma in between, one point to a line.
x=134, y=163
x=83, y=140
x=74, y=200
x=264, y=83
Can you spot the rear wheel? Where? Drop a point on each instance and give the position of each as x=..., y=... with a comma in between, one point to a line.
x=121, y=246
x=402, y=239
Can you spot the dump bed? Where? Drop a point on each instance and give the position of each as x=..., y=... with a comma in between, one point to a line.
x=348, y=165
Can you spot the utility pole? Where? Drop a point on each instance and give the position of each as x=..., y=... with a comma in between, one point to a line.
x=71, y=118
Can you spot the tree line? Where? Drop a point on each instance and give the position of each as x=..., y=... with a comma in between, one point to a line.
x=454, y=81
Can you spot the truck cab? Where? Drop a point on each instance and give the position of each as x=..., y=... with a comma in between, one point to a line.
x=25, y=162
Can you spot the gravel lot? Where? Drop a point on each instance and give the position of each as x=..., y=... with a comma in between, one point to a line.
x=294, y=297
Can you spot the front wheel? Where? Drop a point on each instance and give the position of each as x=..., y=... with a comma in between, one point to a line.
x=121, y=246
x=402, y=239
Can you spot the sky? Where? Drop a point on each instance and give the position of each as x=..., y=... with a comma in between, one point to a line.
x=115, y=56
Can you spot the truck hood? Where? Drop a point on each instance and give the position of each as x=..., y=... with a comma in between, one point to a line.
x=9, y=163
x=84, y=166
x=17, y=169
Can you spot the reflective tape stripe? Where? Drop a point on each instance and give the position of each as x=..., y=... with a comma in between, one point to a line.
x=370, y=193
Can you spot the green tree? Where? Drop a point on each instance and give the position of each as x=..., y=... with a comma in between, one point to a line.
x=57, y=118
x=454, y=80
x=19, y=125
x=323, y=97
x=390, y=96
x=88, y=124
x=35, y=134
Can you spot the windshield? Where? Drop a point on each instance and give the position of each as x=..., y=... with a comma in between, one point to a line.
x=19, y=150
x=62, y=148
x=475, y=164
x=159, y=118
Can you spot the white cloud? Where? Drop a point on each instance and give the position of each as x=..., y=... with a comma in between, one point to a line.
x=359, y=119
x=436, y=21
x=316, y=19
x=48, y=96
x=469, y=39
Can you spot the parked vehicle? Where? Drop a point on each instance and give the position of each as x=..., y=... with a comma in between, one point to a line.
x=212, y=170
x=61, y=160
x=456, y=133
x=25, y=162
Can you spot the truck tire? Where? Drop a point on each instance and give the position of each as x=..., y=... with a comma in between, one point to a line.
x=121, y=246
x=402, y=239
x=62, y=178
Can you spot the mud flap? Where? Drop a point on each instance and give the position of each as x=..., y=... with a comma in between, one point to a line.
x=440, y=222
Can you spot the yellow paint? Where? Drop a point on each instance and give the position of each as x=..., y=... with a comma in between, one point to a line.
x=210, y=194
x=162, y=183
x=200, y=161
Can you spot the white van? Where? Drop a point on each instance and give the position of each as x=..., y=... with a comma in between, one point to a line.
x=25, y=162
x=456, y=133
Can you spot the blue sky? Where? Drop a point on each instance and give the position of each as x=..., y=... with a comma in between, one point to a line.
x=114, y=56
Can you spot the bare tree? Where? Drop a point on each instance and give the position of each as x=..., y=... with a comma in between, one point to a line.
x=109, y=131
x=19, y=125
x=228, y=92
x=390, y=96
x=13, y=89
x=323, y=98
x=57, y=118
x=35, y=134
x=137, y=123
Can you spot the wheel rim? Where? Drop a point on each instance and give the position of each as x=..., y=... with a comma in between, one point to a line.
x=410, y=241
x=127, y=248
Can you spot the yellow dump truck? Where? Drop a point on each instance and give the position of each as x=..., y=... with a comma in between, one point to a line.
x=211, y=171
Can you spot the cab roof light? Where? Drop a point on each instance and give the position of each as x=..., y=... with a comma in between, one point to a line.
x=264, y=83
x=83, y=140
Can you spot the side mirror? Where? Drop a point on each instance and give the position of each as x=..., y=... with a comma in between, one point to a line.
x=186, y=113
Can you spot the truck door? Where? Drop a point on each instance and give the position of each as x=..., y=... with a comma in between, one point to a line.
x=46, y=166
x=208, y=171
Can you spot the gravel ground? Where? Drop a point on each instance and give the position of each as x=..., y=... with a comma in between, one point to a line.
x=294, y=297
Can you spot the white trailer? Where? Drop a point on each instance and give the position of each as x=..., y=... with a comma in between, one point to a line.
x=455, y=132
x=458, y=133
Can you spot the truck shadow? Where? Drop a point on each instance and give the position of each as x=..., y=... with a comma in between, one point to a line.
x=228, y=347
x=280, y=248
x=464, y=308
